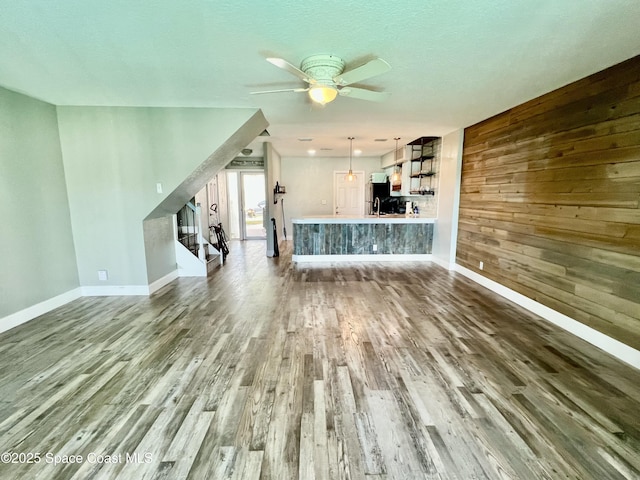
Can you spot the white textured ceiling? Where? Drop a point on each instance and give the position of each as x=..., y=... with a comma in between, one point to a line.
x=454, y=62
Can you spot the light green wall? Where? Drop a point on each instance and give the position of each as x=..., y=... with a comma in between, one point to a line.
x=37, y=258
x=159, y=247
x=309, y=181
x=113, y=159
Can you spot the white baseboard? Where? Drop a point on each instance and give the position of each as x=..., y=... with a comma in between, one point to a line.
x=610, y=345
x=114, y=290
x=161, y=282
x=129, y=290
x=184, y=272
x=29, y=313
x=38, y=309
x=443, y=263
x=426, y=257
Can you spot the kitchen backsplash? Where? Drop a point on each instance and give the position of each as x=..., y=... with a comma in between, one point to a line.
x=427, y=205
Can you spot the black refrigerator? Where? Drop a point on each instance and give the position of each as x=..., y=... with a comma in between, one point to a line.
x=380, y=190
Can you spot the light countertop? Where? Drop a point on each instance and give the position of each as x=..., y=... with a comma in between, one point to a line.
x=346, y=219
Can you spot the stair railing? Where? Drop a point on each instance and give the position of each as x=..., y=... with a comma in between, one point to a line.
x=201, y=241
x=190, y=230
x=187, y=234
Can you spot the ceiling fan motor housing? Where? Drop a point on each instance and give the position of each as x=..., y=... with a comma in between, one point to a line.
x=323, y=68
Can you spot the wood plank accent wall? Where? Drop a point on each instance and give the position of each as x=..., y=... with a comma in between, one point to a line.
x=550, y=200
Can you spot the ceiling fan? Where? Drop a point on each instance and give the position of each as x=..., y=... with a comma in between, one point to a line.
x=327, y=79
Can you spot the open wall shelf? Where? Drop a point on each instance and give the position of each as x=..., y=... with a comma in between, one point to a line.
x=424, y=151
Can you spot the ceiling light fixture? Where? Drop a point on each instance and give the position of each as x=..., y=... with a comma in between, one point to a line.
x=395, y=178
x=350, y=176
x=323, y=94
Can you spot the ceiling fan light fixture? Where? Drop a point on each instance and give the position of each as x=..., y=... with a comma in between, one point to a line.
x=323, y=94
x=326, y=78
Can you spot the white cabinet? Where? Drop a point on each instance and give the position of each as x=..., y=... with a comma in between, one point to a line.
x=398, y=189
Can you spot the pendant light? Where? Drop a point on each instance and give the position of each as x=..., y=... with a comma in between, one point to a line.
x=395, y=178
x=350, y=177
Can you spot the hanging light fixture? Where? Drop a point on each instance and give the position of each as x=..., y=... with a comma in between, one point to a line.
x=395, y=178
x=350, y=176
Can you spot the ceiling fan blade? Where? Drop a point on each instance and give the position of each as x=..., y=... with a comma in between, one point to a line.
x=283, y=64
x=364, y=94
x=368, y=70
x=295, y=90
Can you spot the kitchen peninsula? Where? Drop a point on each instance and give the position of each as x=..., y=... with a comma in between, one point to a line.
x=362, y=238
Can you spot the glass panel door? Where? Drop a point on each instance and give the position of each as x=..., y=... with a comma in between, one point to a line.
x=233, y=195
x=253, y=205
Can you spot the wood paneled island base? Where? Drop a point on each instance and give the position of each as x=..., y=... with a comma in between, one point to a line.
x=343, y=238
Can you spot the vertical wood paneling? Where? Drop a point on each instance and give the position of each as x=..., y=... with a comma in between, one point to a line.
x=550, y=200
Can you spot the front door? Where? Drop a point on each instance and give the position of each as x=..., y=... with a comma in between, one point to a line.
x=253, y=205
x=348, y=197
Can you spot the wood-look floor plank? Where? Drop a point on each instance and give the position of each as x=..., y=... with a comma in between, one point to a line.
x=373, y=461
x=271, y=370
x=393, y=438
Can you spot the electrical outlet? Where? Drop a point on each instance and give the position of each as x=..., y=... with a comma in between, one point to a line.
x=375, y=247
x=481, y=265
x=103, y=275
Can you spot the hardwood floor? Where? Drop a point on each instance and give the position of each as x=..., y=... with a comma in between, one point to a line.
x=269, y=370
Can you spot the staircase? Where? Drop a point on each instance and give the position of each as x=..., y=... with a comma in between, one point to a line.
x=195, y=256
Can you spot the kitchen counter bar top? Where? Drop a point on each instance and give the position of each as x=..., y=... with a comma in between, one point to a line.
x=346, y=219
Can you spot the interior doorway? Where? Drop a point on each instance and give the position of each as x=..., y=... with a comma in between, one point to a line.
x=348, y=197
